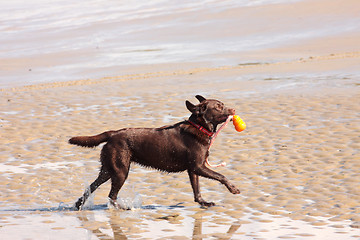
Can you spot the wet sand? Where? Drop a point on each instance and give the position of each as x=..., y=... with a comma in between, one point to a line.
x=297, y=163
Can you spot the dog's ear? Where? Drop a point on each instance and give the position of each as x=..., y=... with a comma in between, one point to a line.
x=191, y=107
x=196, y=109
x=200, y=98
x=202, y=108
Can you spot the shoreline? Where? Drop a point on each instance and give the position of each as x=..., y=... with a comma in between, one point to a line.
x=162, y=40
x=245, y=68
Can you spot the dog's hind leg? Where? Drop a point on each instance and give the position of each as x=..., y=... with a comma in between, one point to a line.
x=104, y=175
x=120, y=161
x=116, y=183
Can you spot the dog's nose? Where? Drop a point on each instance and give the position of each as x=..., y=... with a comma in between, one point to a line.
x=232, y=111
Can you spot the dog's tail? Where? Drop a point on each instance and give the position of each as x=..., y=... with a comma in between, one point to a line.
x=91, y=141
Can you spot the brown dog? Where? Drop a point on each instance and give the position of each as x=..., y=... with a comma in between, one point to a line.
x=177, y=148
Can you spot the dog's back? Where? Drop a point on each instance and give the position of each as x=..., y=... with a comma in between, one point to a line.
x=159, y=148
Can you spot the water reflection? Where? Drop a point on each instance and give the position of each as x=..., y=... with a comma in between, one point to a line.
x=114, y=224
x=160, y=222
x=87, y=217
x=198, y=233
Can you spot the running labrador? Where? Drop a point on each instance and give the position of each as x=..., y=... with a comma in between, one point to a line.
x=180, y=147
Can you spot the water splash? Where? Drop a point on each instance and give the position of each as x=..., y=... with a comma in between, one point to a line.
x=128, y=203
x=89, y=203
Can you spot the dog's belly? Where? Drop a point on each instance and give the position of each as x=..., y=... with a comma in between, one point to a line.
x=167, y=159
x=167, y=165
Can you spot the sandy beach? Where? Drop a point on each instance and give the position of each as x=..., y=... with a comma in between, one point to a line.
x=297, y=164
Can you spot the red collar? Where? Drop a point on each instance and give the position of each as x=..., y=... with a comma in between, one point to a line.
x=201, y=129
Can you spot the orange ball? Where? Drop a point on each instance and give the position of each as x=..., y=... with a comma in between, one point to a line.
x=238, y=123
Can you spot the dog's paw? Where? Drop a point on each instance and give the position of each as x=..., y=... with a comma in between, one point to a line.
x=79, y=204
x=233, y=189
x=236, y=191
x=114, y=204
x=206, y=204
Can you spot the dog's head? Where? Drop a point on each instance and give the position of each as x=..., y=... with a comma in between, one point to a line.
x=209, y=112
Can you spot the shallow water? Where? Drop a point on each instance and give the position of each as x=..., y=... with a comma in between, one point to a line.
x=161, y=222
x=66, y=40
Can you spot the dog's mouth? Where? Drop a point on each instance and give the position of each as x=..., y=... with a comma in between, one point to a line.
x=228, y=113
x=224, y=118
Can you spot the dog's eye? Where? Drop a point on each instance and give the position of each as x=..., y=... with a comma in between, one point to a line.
x=219, y=107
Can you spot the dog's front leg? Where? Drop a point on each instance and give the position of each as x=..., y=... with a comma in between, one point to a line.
x=208, y=173
x=194, y=180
